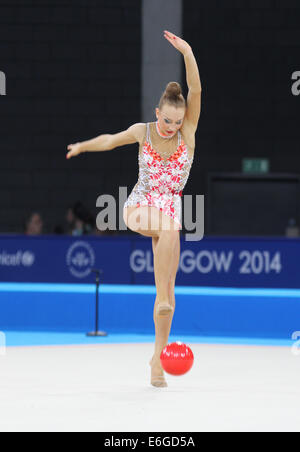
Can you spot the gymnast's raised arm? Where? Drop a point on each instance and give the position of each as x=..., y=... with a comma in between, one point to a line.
x=193, y=81
x=107, y=142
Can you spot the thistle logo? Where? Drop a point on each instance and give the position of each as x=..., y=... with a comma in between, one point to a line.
x=80, y=259
x=2, y=84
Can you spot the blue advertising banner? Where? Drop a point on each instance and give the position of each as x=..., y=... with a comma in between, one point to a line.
x=216, y=262
x=64, y=259
x=229, y=262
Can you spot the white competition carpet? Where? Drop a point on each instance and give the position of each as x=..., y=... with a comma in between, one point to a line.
x=106, y=388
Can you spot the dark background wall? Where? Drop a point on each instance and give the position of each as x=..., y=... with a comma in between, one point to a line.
x=247, y=51
x=73, y=72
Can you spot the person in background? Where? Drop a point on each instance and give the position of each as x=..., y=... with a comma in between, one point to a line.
x=34, y=224
x=69, y=220
x=292, y=229
x=67, y=226
x=78, y=221
x=81, y=221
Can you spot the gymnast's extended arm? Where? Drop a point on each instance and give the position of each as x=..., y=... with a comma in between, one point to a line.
x=107, y=142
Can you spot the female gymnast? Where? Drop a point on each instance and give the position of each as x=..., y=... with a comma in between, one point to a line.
x=153, y=209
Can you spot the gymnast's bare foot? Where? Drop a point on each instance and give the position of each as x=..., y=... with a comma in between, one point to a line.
x=157, y=375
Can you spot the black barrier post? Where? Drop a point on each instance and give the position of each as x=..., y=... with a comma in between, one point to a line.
x=97, y=333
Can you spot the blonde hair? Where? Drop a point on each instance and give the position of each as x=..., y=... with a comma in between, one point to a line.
x=172, y=96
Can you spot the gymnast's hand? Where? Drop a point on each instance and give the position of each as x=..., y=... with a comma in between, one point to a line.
x=74, y=150
x=178, y=43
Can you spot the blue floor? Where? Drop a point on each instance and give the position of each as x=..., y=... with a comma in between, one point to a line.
x=18, y=338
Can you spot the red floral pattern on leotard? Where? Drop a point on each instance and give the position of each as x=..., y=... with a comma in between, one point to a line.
x=161, y=182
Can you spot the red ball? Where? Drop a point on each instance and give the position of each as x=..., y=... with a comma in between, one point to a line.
x=177, y=358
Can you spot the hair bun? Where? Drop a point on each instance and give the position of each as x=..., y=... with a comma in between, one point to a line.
x=173, y=89
x=172, y=96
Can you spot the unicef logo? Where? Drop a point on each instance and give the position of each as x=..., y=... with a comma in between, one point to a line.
x=28, y=259
x=80, y=259
x=20, y=258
